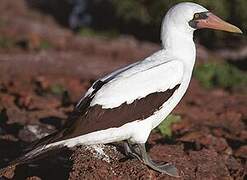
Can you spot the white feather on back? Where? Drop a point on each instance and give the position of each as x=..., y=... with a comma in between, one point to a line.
x=154, y=74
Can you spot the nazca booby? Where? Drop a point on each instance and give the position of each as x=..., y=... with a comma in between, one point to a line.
x=128, y=103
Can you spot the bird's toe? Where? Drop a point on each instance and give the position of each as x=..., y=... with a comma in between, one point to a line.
x=168, y=169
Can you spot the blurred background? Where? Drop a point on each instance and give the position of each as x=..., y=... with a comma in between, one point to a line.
x=140, y=18
x=52, y=50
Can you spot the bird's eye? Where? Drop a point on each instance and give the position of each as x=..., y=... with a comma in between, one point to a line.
x=197, y=16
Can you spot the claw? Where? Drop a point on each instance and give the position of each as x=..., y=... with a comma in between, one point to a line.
x=168, y=169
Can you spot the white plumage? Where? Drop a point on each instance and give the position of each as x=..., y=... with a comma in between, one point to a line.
x=149, y=76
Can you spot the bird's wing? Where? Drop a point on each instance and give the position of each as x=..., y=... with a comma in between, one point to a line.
x=129, y=94
x=134, y=94
x=137, y=83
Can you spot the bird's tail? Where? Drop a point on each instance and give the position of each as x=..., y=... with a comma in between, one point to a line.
x=20, y=160
x=36, y=150
x=31, y=156
x=6, y=169
x=40, y=148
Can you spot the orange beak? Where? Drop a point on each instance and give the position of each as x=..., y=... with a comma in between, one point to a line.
x=214, y=22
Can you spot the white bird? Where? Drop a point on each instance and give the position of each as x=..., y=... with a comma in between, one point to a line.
x=128, y=103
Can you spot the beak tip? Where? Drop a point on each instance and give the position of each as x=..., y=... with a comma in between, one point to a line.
x=235, y=30
x=238, y=31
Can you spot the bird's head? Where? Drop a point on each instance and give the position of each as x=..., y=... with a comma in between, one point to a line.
x=189, y=16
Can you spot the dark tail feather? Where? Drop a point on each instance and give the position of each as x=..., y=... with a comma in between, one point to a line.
x=21, y=160
x=34, y=151
x=31, y=156
x=38, y=150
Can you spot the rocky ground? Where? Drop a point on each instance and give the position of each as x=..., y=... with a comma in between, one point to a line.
x=45, y=69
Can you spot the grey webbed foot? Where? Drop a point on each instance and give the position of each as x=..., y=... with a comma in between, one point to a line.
x=131, y=150
x=139, y=151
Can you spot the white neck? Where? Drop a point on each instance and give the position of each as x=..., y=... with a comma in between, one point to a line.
x=179, y=42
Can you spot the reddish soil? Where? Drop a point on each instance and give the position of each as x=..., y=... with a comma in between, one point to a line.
x=39, y=87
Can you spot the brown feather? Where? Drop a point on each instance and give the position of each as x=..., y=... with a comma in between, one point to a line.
x=96, y=118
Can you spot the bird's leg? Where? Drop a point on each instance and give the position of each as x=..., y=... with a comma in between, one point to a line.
x=130, y=150
x=139, y=151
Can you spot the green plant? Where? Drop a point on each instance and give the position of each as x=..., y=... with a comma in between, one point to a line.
x=165, y=127
x=223, y=75
x=57, y=89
